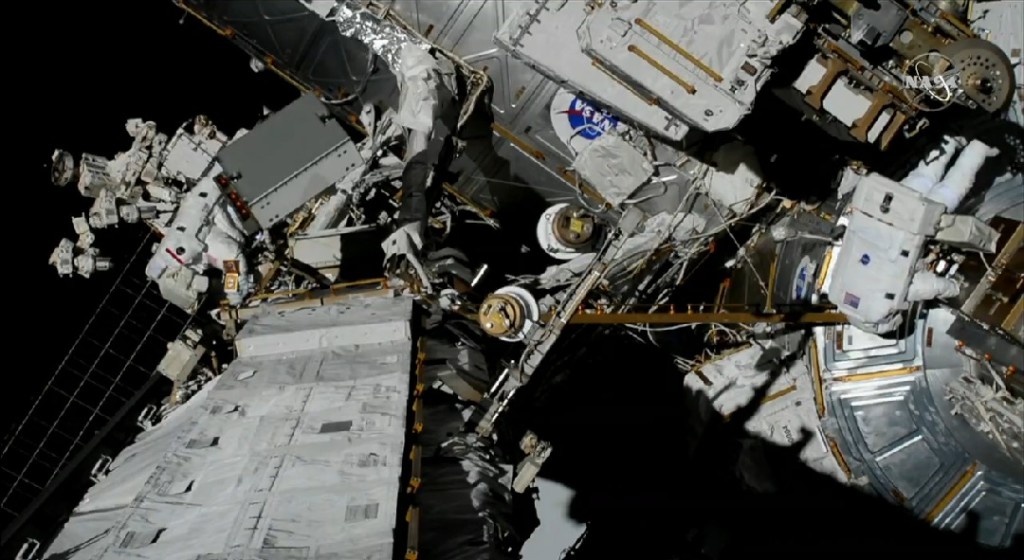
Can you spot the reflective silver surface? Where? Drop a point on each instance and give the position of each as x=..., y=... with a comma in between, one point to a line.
x=893, y=424
x=384, y=38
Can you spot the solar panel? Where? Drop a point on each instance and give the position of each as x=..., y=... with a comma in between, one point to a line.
x=112, y=359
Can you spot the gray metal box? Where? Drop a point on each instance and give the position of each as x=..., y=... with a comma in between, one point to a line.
x=897, y=205
x=294, y=155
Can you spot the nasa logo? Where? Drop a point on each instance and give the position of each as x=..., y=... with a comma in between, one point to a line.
x=865, y=259
x=933, y=81
x=801, y=286
x=588, y=121
x=577, y=121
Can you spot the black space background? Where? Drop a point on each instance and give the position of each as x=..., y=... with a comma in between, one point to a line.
x=97, y=64
x=75, y=72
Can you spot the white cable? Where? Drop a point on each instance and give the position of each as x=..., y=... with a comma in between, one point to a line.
x=764, y=287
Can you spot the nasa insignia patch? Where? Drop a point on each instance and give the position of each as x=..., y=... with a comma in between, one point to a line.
x=578, y=121
x=804, y=279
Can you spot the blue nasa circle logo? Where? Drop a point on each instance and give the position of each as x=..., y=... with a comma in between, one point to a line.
x=802, y=283
x=587, y=120
x=800, y=289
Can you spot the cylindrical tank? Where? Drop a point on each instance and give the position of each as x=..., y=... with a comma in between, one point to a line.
x=565, y=231
x=509, y=313
x=104, y=264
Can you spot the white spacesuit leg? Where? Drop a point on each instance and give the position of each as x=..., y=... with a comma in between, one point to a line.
x=418, y=103
x=229, y=224
x=417, y=142
x=927, y=285
x=929, y=172
x=960, y=178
